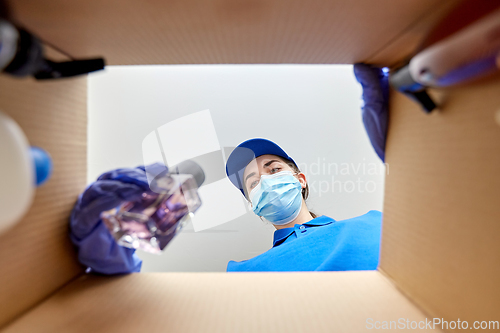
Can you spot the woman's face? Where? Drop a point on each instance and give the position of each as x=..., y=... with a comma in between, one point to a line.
x=265, y=165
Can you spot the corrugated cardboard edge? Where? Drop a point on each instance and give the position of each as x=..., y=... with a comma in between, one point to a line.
x=221, y=302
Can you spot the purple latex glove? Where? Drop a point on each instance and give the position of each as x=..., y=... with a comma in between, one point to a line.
x=97, y=249
x=375, y=114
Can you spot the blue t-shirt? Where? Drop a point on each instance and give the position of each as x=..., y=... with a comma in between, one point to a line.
x=321, y=244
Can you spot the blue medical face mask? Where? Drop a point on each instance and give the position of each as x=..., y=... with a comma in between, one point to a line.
x=277, y=197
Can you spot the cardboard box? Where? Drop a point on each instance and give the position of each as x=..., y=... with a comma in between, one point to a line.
x=440, y=254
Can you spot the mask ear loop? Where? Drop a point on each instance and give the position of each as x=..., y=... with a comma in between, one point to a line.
x=251, y=209
x=298, y=179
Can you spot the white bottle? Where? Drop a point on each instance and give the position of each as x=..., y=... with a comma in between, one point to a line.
x=17, y=175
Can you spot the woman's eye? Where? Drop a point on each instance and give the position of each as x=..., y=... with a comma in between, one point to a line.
x=273, y=170
x=254, y=183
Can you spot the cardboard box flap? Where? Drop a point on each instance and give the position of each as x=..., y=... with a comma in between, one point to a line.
x=442, y=202
x=128, y=32
x=220, y=302
x=36, y=256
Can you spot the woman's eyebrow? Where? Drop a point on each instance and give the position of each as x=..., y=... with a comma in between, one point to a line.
x=265, y=165
x=269, y=163
x=248, y=176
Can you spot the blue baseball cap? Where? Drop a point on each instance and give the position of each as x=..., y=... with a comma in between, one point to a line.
x=246, y=152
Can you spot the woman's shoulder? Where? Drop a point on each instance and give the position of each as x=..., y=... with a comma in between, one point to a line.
x=369, y=214
x=373, y=216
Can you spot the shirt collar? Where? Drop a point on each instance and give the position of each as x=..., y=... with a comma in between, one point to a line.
x=281, y=234
x=320, y=220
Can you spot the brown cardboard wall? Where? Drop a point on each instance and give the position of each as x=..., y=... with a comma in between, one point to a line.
x=130, y=32
x=219, y=302
x=442, y=202
x=441, y=207
x=36, y=257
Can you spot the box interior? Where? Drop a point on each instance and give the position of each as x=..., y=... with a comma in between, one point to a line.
x=440, y=256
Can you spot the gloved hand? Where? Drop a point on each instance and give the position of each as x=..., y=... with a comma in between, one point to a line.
x=375, y=114
x=97, y=248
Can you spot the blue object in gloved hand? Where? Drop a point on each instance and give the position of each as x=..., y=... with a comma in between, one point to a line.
x=97, y=249
x=375, y=83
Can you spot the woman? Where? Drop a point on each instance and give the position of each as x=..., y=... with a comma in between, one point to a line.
x=277, y=191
